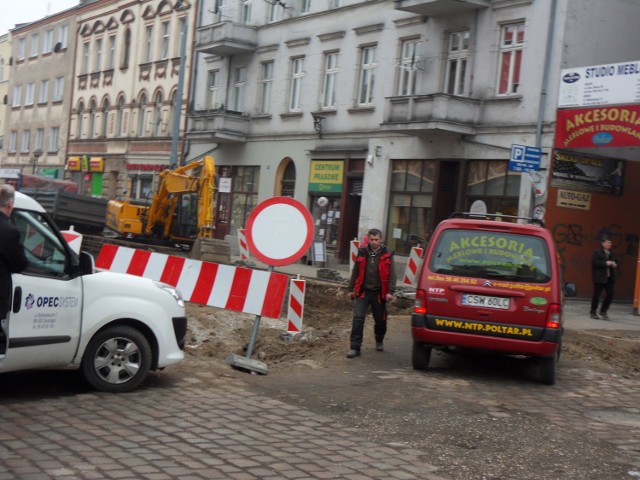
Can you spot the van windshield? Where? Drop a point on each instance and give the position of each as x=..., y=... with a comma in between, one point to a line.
x=492, y=255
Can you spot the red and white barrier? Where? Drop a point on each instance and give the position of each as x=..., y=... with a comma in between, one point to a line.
x=353, y=253
x=413, y=265
x=73, y=238
x=243, y=245
x=223, y=286
x=296, y=305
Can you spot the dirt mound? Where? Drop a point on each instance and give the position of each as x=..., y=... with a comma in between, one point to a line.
x=327, y=318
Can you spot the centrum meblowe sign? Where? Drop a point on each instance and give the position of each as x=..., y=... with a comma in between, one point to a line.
x=326, y=176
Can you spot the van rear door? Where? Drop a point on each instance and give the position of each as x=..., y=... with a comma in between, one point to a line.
x=489, y=279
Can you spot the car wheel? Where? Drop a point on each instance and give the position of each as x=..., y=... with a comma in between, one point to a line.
x=420, y=356
x=117, y=360
x=547, y=370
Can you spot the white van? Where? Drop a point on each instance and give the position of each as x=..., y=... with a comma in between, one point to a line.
x=114, y=327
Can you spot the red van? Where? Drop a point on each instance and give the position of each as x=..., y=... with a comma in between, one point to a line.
x=489, y=283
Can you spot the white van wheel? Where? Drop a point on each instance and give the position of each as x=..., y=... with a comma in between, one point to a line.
x=547, y=370
x=420, y=356
x=117, y=359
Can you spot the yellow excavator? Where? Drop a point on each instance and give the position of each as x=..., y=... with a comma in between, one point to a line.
x=181, y=210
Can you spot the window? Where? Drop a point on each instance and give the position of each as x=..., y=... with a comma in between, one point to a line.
x=336, y=3
x=411, y=197
x=457, y=61
x=148, y=44
x=275, y=11
x=92, y=119
x=297, y=74
x=80, y=117
x=111, y=53
x=26, y=138
x=45, y=254
x=266, y=85
x=157, y=114
x=511, y=46
x=124, y=60
x=35, y=44
x=305, y=7
x=84, y=66
x=58, y=89
x=47, y=41
x=220, y=6
x=2, y=69
x=44, y=91
x=63, y=33
x=141, y=186
x=29, y=93
x=164, y=41
x=367, y=75
x=22, y=48
x=329, y=82
x=98, y=56
x=239, y=83
x=53, y=139
x=39, y=140
x=142, y=109
x=245, y=196
x=491, y=182
x=246, y=11
x=17, y=96
x=120, y=117
x=13, y=141
x=408, y=68
x=213, y=89
x=105, y=118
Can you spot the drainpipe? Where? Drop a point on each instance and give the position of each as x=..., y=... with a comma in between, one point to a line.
x=177, y=104
x=526, y=192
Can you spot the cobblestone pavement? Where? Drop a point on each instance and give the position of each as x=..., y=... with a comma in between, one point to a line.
x=197, y=427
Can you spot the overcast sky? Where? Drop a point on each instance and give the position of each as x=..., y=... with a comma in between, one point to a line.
x=25, y=11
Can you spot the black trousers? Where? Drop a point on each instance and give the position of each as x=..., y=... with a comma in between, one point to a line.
x=379, y=312
x=608, y=296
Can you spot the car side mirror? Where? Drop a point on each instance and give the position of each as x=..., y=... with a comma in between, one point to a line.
x=87, y=264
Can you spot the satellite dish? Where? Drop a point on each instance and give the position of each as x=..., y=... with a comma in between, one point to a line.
x=57, y=47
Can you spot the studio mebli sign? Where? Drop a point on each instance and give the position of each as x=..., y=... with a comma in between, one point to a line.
x=609, y=84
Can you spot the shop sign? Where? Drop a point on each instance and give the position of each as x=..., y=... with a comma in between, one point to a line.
x=608, y=84
x=617, y=126
x=96, y=164
x=74, y=164
x=572, y=199
x=326, y=176
x=587, y=173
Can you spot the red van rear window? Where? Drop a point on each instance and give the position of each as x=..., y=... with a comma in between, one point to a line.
x=491, y=255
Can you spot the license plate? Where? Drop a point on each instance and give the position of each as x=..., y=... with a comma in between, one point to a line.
x=485, y=301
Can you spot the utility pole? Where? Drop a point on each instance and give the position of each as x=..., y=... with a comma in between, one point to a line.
x=177, y=103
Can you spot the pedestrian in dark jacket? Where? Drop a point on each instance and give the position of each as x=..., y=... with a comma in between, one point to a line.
x=12, y=257
x=603, y=271
x=372, y=283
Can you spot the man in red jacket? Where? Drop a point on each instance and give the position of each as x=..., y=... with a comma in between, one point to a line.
x=373, y=282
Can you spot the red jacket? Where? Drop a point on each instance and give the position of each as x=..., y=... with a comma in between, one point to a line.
x=384, y=270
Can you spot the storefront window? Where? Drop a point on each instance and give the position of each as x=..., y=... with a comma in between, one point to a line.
x=244, y=197
x=491, y=182
x=410, y=204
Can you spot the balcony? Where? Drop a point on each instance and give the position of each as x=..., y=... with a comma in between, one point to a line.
x=223, y=126
x=226, y=38
x=439, y=112
x=434, y=8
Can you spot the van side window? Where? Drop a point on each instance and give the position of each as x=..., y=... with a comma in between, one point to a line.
x=42, y=247
x=492, y=255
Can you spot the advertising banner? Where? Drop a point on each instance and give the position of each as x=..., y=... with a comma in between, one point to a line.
x=617, y=126
x=587, y=173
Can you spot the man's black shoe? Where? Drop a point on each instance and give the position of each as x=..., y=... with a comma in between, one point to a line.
x=380, y=347
x=353, y=353
x=604, y=316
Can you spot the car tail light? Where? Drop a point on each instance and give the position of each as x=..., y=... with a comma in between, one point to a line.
x=555, y=316
x=420, y=304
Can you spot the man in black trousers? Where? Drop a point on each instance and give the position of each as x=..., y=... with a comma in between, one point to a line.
x=603, y=271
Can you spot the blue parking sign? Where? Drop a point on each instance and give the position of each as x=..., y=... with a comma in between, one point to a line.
x=524, y=158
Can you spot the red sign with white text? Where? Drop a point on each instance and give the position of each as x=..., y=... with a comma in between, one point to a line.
x=617, y=126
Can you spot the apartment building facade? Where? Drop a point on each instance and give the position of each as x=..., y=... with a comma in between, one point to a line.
x=124, y=94
x=38, y=95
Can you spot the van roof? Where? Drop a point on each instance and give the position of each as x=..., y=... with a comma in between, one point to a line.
x=24, y=202
x=491, y=225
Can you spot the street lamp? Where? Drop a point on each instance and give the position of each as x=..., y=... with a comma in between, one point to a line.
x=37, y=153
